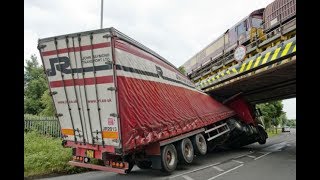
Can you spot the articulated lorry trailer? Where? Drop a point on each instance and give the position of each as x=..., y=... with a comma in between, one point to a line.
x=121, y=103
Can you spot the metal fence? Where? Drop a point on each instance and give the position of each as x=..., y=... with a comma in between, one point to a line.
x=44, y=125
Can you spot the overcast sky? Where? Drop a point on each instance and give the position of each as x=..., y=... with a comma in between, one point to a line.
x=174, y=29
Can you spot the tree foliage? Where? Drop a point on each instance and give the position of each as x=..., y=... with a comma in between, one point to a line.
x=284, y=119
x=182, y=70
x=272, y=112
x=46, y=100
x=35, y=86
x=291, y=123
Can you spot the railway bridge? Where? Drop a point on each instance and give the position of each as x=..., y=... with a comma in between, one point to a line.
x=267, y=71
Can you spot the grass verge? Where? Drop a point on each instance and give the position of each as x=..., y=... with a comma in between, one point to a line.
x=45, y=155
x=271, y=132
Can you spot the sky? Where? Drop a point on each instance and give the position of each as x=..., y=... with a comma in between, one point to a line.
x=174, y=29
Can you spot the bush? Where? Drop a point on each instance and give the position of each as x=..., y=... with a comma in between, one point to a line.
x=45, y=155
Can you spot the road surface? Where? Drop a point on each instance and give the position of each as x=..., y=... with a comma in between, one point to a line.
x=275, y=160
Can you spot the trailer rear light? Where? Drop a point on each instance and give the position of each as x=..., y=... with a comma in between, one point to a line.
x=81, y=158
x=115, y=164
x=86, y=159
x=121, y=165
x=74, y=158
x=78, y=158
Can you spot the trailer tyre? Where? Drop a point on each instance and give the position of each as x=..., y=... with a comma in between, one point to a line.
x=169, y=158
x=199, y=144
x=144, y=164
x=185, y=151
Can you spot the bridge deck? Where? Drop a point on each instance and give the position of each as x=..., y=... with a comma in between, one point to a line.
x=270, y=75
x=272, y=84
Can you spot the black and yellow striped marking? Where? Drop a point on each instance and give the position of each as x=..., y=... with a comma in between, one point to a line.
x=263, y=69
x=286, y=49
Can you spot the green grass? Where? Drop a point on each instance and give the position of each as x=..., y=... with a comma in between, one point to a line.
x=271, y=132
x=45, y=155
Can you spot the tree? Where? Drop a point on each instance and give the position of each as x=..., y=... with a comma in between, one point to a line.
x=284, y=119
x=291, y=122
x=182, y=70
x=271, y=112
x=46, y=100
x=35, y=84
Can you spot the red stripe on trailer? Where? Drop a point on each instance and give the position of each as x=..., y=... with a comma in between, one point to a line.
x=76, y=49
x=81, y=82
x=137, y=52
x=171, y=110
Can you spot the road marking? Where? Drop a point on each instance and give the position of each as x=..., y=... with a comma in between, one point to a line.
x=187, y=177
x=243, y=155
x=251, y=156
x=225, y=172
x=194, y=170
x=276, y=147
x=217, y=168
x=237, y=161
x=262, y=155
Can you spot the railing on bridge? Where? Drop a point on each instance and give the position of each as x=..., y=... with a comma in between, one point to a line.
x=44, y=125
x=256, y=43
x=272, y=57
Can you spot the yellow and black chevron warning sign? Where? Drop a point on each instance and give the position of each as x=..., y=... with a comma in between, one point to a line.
x=255, y=62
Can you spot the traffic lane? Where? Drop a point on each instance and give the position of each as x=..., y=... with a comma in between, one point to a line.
x=282, y=137
x=278, y=165
x=200, y=163
x=253, y=152
x=276, y=161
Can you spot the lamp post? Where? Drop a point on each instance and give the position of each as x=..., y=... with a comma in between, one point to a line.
x=101, y=23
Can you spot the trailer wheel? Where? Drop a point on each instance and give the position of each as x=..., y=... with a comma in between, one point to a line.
x=185, y=151
x=200, y=145
x=169, y=158
x=144, y=164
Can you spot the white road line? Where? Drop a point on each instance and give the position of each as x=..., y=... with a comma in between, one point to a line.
x=276, y=147
x=225, y=172
x=217, y=168
x=262, y=155
x=251, y=156
x=187, y=177
x=194, y=170
x=243, y=155
x=237, y=161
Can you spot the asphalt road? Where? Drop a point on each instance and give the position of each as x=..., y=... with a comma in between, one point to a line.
x=274, y=160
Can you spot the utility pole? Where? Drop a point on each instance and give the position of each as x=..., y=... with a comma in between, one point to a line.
x=101, y=23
